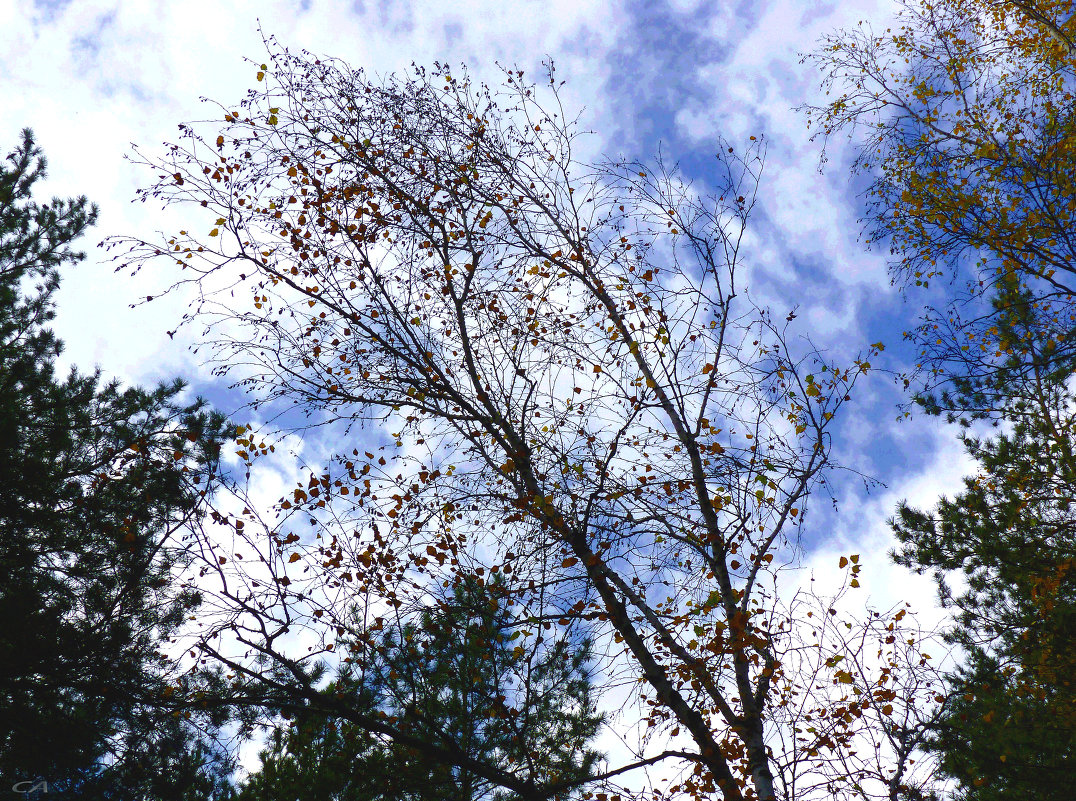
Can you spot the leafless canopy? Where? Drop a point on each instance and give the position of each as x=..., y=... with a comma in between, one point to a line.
x=572, y=393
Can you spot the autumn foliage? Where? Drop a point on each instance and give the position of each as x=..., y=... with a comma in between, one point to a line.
x=573, y=399
x=962, y=113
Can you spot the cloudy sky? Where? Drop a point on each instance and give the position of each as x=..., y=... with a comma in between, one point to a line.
x=91, y=77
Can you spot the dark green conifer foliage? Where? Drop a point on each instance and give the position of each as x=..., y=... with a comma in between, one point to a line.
x=1009, y=731
x=451, y=679
x=96, y=483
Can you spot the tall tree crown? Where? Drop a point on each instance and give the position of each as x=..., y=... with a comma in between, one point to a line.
x=575, y=391
x=96, y=484
x=962, y=113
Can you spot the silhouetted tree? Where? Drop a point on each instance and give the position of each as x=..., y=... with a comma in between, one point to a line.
x=96, y=484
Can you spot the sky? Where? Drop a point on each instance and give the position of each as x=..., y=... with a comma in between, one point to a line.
x=93, y=77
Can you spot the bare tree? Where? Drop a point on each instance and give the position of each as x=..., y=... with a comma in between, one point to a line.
x=573, y=390
x=860, y=695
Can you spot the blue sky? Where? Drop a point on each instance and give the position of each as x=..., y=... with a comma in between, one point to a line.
x=92, y=76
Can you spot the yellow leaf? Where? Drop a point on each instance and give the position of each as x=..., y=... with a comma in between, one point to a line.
x=843, y=562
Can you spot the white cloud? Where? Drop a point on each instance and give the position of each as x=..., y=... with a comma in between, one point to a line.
x=752, y=85
x=93, y=76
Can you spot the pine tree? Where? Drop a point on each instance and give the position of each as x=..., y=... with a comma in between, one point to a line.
x=1009, y=728
x=96, y=483
x=451, y=679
